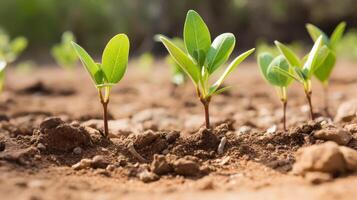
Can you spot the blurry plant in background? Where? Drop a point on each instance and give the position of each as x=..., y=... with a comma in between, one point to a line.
x=145, y=61
x=347, y=47
x=263, y=47
x=43, y=21
x=9, y=51
x=63, y=53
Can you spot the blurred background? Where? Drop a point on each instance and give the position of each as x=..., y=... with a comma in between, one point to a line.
x=93, y=22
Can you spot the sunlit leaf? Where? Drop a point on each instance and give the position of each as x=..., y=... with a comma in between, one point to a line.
x=315, y=33
x=264, y=61
x=115, y=58
x=324, y=70
x=234, y=64
x=276, y=78
x=220, y=51
x=196, y=36
x=182, y=59
x=89, y=64
x=312, y=58
x=290, y=56
x=337, y=34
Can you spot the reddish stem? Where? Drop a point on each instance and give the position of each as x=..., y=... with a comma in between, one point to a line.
x=308, y=96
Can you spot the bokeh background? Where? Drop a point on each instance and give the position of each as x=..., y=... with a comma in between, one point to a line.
x=93, y=22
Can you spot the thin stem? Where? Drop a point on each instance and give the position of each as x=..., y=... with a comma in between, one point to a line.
x=308, y=96
x=285, y=103
x=104, y=101
x=205, y=103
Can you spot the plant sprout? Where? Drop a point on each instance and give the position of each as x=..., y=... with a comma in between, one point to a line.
x=178, y=75
x=9, y=51
x=303, y=70
x=267, y=63
x=106, y=74
x=323, y=72
x=63, y=53
x=203, y=58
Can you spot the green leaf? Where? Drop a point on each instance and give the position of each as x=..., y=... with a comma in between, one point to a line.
x=18, y=45
x=324, y=70
x=220, y=51
x=287, y=73
x=223, y=89
x=115, y=58
x=230, y=69
x=308, y=68
x=196, y=36
x=264, y=61
x=290, y=56
x=276, y=78
x=315, y=33
x=337, y=34
x=187, y=65
x=89, y=64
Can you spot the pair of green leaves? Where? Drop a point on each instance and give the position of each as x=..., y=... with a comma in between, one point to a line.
x=201, y=58
x=302, y=70
x=323, y=71
x=268, y=63
x=114, y=61
x=63, y=53
x=11, y=49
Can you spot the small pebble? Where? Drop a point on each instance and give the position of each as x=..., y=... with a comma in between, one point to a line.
x=272, y=129
x=41, y=147
x=77, y=150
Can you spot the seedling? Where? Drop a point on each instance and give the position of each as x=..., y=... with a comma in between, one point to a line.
x=9, y=51
x=178, y=75
x=106, y=74
x=323, y=71
x=303, y=70
x=267, y=63
x=203, y=58
x=63, y=53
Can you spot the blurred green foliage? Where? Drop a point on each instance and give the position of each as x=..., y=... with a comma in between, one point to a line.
x=11, y=49
x=347, y=48
x=94, y=21
x=63, y=53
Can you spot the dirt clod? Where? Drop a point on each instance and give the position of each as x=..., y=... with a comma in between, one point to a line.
x=160, y=165
x=99, y=161
x=324, y=157
x=346, y=111
x=147, y=177
x=350, y=156
x=338, y=135
x=186, y=167
x=318, y=177
x=83, y=164
x=57, y=135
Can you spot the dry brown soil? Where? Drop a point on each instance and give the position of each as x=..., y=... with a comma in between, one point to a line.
x=157, y=119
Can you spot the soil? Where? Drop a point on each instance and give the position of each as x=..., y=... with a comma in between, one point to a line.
x=51, y=145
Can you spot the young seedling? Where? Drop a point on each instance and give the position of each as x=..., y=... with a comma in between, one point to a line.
x=303, y=70
x=323, y=72
x=203, y=58
x=63, y=53
x=106, y=74
x=267, y=63
x=9, y=51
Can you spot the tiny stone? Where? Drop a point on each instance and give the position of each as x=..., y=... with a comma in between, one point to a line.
x=148, y=177
x=165, y=151
x=110, y=168
x=244, y=129
x=270, y=146
x=272, y=129
x=41, y=147
x=77, y=150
